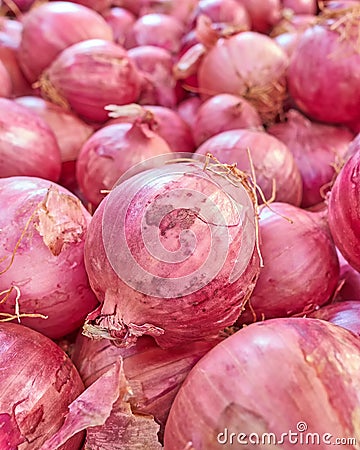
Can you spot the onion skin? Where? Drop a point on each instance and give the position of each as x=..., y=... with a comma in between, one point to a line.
x=110, y=152
x=187, y=109
x=330, y=94
x=121, y=21
x=224, y=112
x=27, y=144
x=90, y=75
x=41, y=382
x=306, y=269
x=48, y=267
x=349, y=281
x=344, y=207
x=264, y=14
x=97, y=5
x=344, y=314
x=317, y=148
x=271, y=158
x=5, y=81
x=238, y=386
x=301, y=6
x=206, y=300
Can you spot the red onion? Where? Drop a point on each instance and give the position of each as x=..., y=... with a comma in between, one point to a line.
x=89, y=75
x=322, y=75
x=5, y=81
x=344, y=204
x=110, y=152
x=318, y=149
x=282, y=383
x=154, y=374
x=301, y=268
x=159, y=30
x=349, y=281
x=258, y=76
x=165, y=283
x=273, y=162
x=39, y=382
x=27, y=144
x=51, y=28
x=164, y=121
x=121, y=21
x=156, y=65
x=345, y=314
x=264, y=14
x=224, y=112
x=301, y=6
x=187, y=110
x=43, y=228
x=97, y=5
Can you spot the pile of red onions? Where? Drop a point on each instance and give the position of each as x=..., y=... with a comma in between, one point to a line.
x=90, y=75
x=319, y=151
x=52, y=27
x=345, y=314
x=39, y=382
x=188, y=258
x=27, y=144
x=273, y=162
x=42, y=275
x=273, y=378
x=301, y=268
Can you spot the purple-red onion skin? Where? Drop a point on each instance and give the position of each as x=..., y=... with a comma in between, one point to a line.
x=344, y=207
x=323, y=74
x=269, y=377
x=225, y=14
x=90, y=75
x=110, y=152
x=99, y=6
x=52, y=27
x=48, y=267
x=301, y=267
x=264, y=14
x=39, y=382
x=28, y=146
x=121, y=21
x=349, y=282
x=317, y=149
x=5, y=81
x=271, y=158
x=345, y=314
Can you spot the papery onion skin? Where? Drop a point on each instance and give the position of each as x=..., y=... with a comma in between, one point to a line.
x=271, y=158
x=48, y=267
x=52, y=27
x=344, y=207
x=238, y=386
x=110, y=152
x=301, y=268
x=224, y=112
x=248, y=76
x=27, y=144
x=90, y=75
x=264, y=14
x=41, y=382
x=317, y=148
x=5, y=81
x=322, y=75
x=344, y=314
x=185, y=301
x=121, y=21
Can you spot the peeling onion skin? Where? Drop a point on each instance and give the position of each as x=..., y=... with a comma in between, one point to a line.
x=52, y=27
x=41, y=382
x=344, y=314
x=27, y=144
x=344, y=207
x=48, y=268
x=271, y=158
x=301, y=268
x=239, y=385
x=128, y=312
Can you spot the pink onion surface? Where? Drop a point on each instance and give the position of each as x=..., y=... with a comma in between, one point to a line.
x=319, y=150
x=344, y=207
x=121, y=21
x=110, y=152
x=224, y=112
x=90, y=75
x=39, y=382
x=345, y=314
x=187, y=109
x=97, y=5
x=264, y=14
x=27, y=144
x=301, y=6
x=298, y=375
x=188, y=261
x=301, y=268
x=5, y=81
x=52, y=27
x=322, y=75
x=272, y=160
x=258, y=76
x=349, y=281
x=43, y=228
